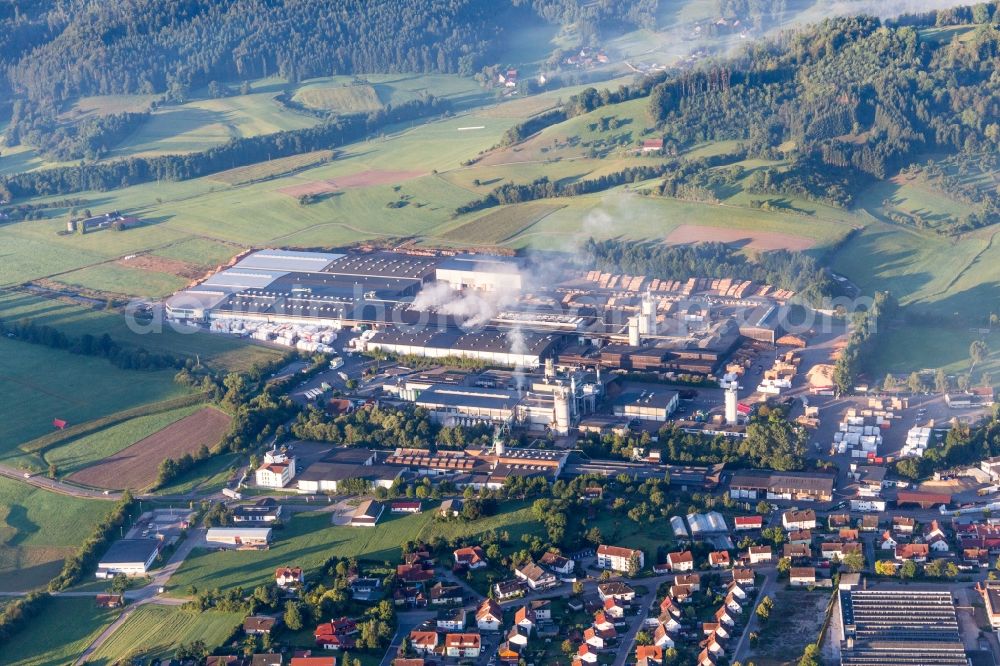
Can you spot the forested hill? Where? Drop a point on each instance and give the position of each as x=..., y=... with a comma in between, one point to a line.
x=850, y=99
x=57, y=50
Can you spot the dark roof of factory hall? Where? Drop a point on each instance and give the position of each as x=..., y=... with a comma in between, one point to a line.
x=384, y=264
x=128, y=551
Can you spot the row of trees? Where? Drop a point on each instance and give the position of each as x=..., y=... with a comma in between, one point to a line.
x=104, y=346
x=234, y=153
x=861, y=343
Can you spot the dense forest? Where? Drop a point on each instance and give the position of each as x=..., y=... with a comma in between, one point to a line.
x=848, y=97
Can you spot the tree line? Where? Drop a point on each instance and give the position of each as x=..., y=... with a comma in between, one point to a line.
x=104, y=346
x=857, y=353
x=235, y=152
x=785, y=269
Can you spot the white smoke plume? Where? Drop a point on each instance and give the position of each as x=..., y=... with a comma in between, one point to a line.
x=515, y=337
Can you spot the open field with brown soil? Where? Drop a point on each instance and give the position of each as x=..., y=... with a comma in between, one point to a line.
x=136, y=466
x=149, y=262
x=755, y=240
x=362, y=179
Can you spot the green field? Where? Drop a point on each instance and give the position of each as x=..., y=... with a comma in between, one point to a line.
x=38, y=530
x=222, y=353
x=124, y=280
x=40, y=384
x=309, y=539
x=207, y=477
x=204, y=123
x=59, y=634
x=76, y=454
x=272, y=168
x=200, y=251
x=156, y=631
x=345, y=99
x=500, y=224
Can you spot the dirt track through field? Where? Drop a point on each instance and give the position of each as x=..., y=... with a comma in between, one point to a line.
x=136, y=466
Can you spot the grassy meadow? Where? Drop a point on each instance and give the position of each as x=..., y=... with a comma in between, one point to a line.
x=38, y=530
x=156, y=631
x=79, y=622
x=308, y=539
x=74, y=455
x=40, y=384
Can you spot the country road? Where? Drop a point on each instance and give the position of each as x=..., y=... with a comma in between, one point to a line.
x=63, y=488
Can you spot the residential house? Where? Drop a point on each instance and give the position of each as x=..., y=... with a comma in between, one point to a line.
x=800, y=537
x=869, y=523
x=912, y=551
x=364, y=588
x=848, y=534
x=802, y=576
x=270, y=659
x=509, y=653
x=759, y=554
x=259, y=624
x=470, y=557
x=733, y=603
x=682, y=561
x=336, y=634
x=796, y=551
x=835, y=521
x=614, y=608
x=738, y=591
x=616, y=558
x=648, y=655
x=615, y=590
x=313, y=661
x=423, y=642
x=681, y=593
x=838, y=551
x=935, y=537
x=525, y=618
x=414, y=573
x=542, y=608
x=799, y=520
x=744, y=578
x=265, y=510
x=489, y=616
x=722, y=616
x=509, y=589
x=705, y=658
x=991, y=597
x=886, y=542
x=742, y=523
x=690, y=580
x=277, y=471
x=517, y=638
x=593, y=639
x=288, y=576
x=719, y=559
x=536, y=577
x=586, y=654
x=558, y=564
x=445, y=594
x=602, y=623
x=651, y=146
x=903, y=524
x=662, y=638
x=450, y=508
x=451, y=620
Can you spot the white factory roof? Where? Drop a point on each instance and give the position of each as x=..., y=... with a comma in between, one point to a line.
x=288, y=261
x=480, y=264
x=240, y=277
x=705, y=523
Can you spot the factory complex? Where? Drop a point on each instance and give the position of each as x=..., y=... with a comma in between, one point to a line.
x=491, y=309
